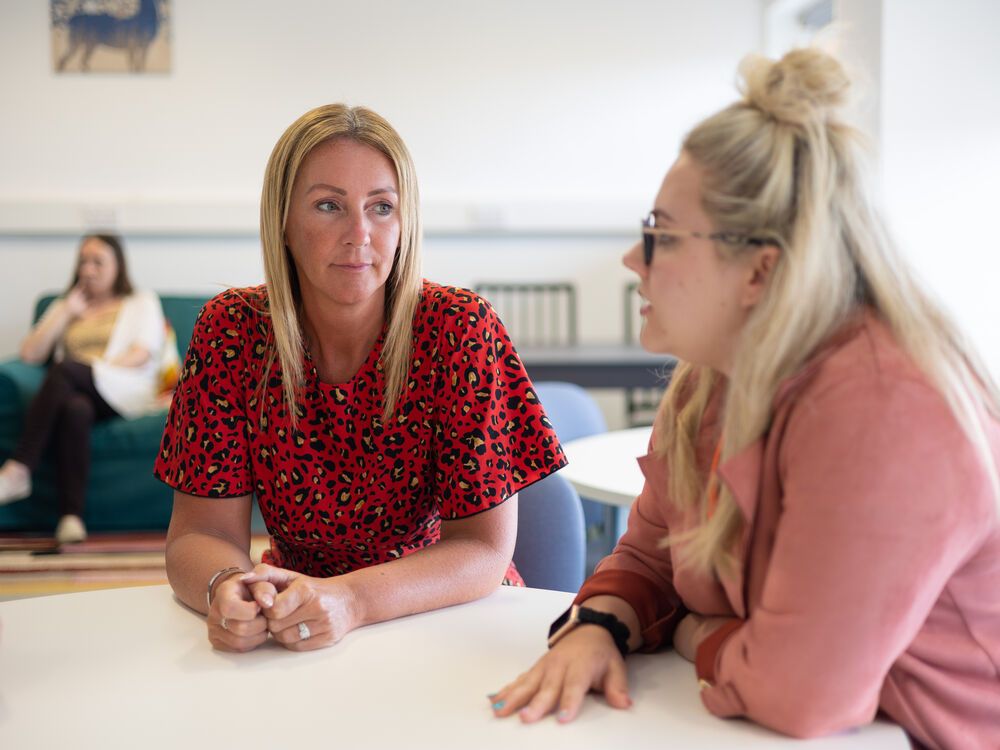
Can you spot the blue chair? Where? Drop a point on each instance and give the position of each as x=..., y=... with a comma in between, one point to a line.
x=571, y=410
x=551, y=547
x=574, y=414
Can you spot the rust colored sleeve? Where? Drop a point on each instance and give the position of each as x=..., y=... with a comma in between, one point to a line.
x=708, y=650
x=658, y=611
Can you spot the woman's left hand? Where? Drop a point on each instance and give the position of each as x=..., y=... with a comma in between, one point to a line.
x=135, y=356
x=692, y=630
x=325, y=606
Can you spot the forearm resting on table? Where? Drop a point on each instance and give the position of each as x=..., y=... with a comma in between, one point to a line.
x=460, y=568
x=205, y=536
x=621, y=609
x=192, y=559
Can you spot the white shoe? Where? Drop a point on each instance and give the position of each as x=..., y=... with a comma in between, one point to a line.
x=70, y=530
x=14, y=486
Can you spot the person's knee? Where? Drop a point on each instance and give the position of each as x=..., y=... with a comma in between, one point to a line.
x=77, y=411
x=59, y=372
x=63, y=380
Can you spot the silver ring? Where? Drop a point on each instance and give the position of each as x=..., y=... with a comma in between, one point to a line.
x=304, y=632
x=224, y=623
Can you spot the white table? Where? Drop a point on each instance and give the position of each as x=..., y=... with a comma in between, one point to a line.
x=602, y=467
x=132, y=668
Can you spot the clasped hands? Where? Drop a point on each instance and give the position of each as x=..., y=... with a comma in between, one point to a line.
x=274, y=601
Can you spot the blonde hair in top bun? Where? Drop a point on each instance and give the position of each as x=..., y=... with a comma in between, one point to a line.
x=806, y=86
x=781, y=164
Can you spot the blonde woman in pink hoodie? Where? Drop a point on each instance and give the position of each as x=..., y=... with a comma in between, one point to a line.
x=819, y=528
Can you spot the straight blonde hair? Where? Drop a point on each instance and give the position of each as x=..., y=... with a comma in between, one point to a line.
x=315, y=127
x=779, y=165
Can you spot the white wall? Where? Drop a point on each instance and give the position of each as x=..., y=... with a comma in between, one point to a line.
x=940, y=114
x=540, y=132
x=933, y=75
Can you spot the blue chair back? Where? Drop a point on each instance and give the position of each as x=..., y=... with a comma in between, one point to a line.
x=550, y=552
x=571, y=410
x=574, y=414
x=551, y=549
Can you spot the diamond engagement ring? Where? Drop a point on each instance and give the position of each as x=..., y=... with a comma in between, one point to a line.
x=304, y=631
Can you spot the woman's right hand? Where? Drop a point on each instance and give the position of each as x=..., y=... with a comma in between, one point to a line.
x=584, y=660
x=45, y=334
x=235, y=620
x=76, y=302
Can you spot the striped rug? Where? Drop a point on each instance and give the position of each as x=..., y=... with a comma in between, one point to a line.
x=34, y=565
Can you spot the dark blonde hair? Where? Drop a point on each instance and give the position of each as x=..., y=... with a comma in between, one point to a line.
x=315, y=127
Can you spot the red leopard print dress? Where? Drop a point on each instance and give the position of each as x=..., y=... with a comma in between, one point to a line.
x=343, y=491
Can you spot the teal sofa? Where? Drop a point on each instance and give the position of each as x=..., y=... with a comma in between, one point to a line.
x=121, y=491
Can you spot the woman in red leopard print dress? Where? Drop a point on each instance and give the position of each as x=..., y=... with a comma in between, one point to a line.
x=389, y=488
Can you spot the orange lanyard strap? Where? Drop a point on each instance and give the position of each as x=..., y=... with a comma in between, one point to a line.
x=713, y=480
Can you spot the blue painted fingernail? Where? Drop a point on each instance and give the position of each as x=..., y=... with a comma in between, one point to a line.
x=498, y=705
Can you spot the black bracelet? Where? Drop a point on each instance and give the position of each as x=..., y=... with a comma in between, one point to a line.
x=577, y=615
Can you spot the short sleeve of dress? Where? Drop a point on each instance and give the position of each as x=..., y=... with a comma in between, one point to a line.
x=204, y=451
x=493, y=438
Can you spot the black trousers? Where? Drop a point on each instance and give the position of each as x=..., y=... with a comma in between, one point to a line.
x=62, y=413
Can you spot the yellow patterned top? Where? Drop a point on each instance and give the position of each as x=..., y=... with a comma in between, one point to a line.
x=86, y=339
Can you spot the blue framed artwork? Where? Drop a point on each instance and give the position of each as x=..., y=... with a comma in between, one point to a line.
x=110, y=36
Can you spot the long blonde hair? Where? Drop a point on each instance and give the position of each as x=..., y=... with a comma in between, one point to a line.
x=780, y=165
x=318, y=126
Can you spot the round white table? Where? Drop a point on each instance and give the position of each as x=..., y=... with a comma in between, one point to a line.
x=603, y=467
x=128, y=668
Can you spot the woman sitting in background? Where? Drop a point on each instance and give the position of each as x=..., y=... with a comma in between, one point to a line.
x=383, y=422
x=107, y=340
x=819, y=527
